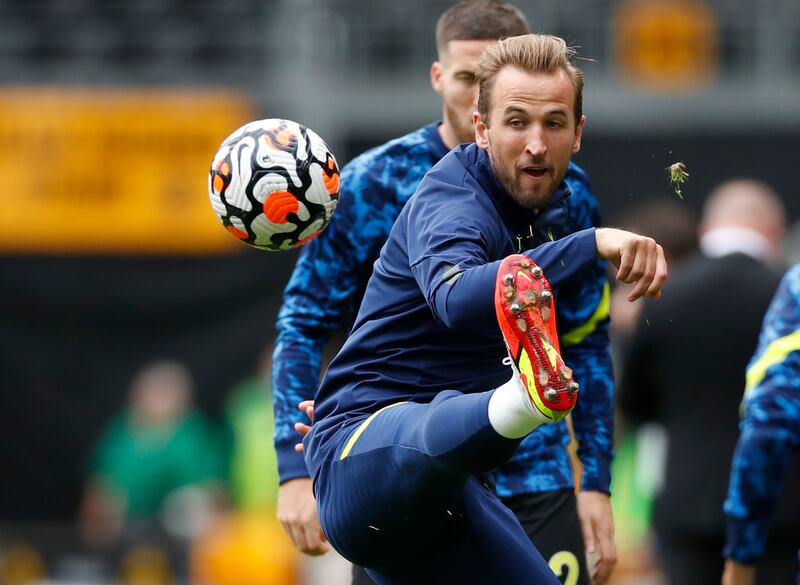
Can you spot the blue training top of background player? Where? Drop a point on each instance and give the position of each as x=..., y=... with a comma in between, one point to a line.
x=770, y=429
x=331, y=273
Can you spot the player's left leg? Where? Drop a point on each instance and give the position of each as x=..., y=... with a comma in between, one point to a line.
x=360, y=576
x=481, y=543
x=551, y=521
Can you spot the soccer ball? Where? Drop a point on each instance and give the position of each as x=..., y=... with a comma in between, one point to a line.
x=274, y=184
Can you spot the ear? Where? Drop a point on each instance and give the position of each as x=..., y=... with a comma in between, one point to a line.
x=576, y=144
x=436, y=77
x=481, y=131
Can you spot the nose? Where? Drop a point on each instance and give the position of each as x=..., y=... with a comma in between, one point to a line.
x=535, y=144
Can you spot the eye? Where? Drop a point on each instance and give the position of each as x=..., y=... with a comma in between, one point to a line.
x=516, y=123
x=554, y=124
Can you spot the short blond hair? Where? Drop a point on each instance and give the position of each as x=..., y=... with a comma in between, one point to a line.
x=534, y=54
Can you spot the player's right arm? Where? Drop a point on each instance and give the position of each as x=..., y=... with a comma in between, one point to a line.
x=450, y=249
x=318, y=298
x=770, y=431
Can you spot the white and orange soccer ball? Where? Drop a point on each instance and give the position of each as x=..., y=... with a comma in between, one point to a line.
x=274, y=184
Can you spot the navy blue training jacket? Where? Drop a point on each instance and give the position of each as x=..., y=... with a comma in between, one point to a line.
x=427, y=321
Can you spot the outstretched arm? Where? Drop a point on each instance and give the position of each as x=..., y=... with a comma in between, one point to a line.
x=459, y=281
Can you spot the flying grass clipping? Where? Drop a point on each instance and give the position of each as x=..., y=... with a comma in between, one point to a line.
x=677, y=177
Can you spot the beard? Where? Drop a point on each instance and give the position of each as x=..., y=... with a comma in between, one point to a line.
x=534, y=197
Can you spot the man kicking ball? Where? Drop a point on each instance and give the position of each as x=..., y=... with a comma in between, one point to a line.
x=418, y=407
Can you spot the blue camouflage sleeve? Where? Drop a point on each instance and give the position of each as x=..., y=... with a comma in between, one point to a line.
x=583, y=320
x=319, y=297
x=770, y=429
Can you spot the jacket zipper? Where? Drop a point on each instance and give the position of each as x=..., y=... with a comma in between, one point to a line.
x=520, y=238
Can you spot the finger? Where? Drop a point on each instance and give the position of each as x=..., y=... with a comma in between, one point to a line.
x=660, y=277
x=299, y=538
x=628, y=253
x=310, y=412
x=303, y=406
x=588, y=534
x=315, y=539
x=638, y=261
x=294, y=534
x=638, y=290
x=608, y=554
x=644, y=274
x=317, y=551
x=302, y=429
x=288, y=530
x=602, y=571
x=299, y=448
x=625, y=263
x=308, y=539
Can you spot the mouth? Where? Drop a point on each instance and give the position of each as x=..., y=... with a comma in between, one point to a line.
x=536, y=172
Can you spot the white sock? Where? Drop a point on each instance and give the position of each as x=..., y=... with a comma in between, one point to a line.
x=511, y=413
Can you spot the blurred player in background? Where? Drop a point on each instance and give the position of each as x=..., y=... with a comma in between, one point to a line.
x=328, y=282
x=770, y=433
x=705, y=302
x=158, y=451
x=417, y=406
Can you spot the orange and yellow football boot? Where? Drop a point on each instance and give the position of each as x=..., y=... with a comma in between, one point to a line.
x=526, y=313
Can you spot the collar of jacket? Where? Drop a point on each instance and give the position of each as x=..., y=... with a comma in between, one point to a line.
x=545, y=226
